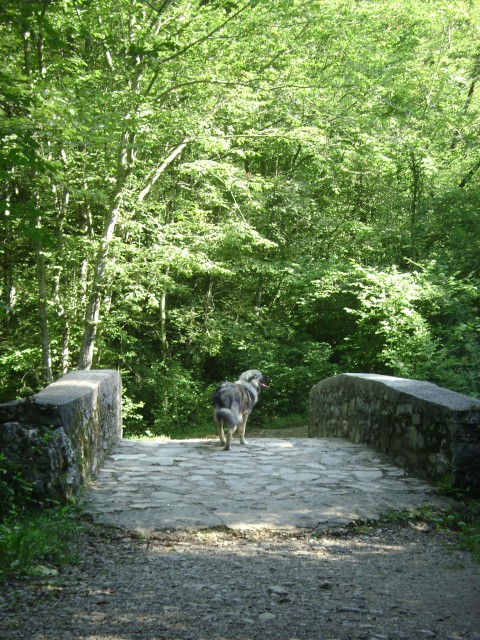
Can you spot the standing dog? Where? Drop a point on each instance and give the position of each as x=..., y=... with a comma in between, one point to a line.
x=233, y=402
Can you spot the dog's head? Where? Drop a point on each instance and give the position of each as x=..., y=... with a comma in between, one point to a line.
x=256, y=378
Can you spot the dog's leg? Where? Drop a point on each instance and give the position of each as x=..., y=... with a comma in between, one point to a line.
x=230, y=432
x=241, y=430
x=221, y=434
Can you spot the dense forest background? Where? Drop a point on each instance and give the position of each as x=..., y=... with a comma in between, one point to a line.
x=189, y=189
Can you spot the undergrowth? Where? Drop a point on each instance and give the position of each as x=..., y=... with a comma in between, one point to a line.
x=38, y=542
x=209, y=430
x=34, y=538
x=462, y=520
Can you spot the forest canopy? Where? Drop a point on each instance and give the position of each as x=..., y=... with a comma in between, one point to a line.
x=192, y=189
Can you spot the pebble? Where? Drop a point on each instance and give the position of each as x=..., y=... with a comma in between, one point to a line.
x=277, y=590
x=266, y=616
x=153, y=593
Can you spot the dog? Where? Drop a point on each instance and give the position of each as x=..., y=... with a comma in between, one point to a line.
x=233, y=403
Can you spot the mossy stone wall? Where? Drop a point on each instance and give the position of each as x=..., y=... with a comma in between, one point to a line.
x=58, y=438
x=428, y=430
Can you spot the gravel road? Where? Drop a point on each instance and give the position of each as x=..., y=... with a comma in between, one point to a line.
x=386, y=583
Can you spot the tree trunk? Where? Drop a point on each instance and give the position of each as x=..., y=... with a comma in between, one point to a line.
x=125, y=167
x=47, y=376
x=92, y=317
x=164, y=343
x=208, y=302
x=259, y=293
x=415, y=190
x=125, y=162
x=469, y=175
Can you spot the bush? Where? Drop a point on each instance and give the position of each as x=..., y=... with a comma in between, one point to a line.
x=15, y=491
x=420, y=324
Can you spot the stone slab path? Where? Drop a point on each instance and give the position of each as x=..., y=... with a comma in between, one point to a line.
x=272, y=483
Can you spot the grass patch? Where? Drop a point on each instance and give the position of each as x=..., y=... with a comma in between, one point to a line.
x=209, y=430
x=39, y=542
x=285, y=422
x=462, y=521
x=35, y=537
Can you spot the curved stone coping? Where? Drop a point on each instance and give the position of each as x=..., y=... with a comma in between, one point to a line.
x=422, y=390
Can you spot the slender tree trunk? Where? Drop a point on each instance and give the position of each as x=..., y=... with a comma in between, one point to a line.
x=163, y=320
x=259, y=293
x=8, y=293
x=125, y=167
x=87, y=229
x=208, y=302
x=164, y=343
x=95, y=300
x=30, y=37
x=125, y=162
x=169, y=159
x=61, y=285
x=469, y=175
x=65, y=349
x=47, y=376
x=415, y=191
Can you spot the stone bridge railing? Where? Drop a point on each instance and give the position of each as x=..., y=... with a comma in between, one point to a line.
x=428, y=430
x=58, y=438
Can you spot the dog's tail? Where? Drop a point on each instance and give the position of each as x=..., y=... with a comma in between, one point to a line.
x=228, y=416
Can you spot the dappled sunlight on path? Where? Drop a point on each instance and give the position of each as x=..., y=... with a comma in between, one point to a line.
x=271, y=483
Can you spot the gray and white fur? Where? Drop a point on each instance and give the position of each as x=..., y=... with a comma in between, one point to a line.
x=233, y=402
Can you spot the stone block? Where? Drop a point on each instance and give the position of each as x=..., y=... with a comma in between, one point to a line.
x=45, y=458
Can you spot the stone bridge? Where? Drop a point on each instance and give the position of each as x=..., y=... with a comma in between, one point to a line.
x=403, y=435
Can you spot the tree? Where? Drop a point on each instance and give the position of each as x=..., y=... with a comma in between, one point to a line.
x=190, y=183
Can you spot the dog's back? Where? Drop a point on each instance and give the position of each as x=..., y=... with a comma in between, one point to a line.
x=231, y=401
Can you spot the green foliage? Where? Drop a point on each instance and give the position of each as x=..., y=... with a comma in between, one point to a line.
x=203, y=189
x=15, y=492
x=418, y=323
x=38, y=541
x=32, y=536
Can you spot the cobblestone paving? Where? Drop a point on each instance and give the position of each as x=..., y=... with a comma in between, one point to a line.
x=271, y=483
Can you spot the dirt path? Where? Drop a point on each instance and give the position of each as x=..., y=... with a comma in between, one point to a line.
x=387, y=583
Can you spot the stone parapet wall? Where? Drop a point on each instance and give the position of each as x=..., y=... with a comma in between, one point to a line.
x=58, y=438
x=428, y=430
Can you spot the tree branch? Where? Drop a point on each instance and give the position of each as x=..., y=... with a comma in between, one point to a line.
x=468, y=176
x=145, y=191
x=189, y=46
